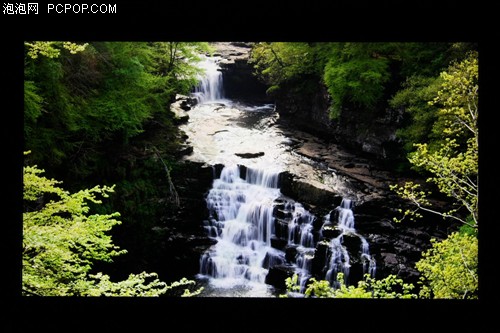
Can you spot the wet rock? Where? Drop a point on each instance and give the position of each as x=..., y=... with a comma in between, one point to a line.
x=180, y=106
x=279, y=243
x=250, y=155
x=282, y=213
x=180, y=116
x=320, y=261
x=271, y=260
x=330, y=231
x=305, y=192
x=238, y=80
x=278, y=274
x=281, y=228
x=290, y=253
x=352, y=243
x=184, y=149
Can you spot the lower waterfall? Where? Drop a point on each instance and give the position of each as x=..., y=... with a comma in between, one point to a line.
x=256, y=229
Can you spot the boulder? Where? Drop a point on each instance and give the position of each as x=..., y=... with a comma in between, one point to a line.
x=239, y=82
x=250, y=155
x=278, y=274
x=279, y=243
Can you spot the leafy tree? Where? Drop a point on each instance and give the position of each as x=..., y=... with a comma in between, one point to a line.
x=173, y=61
x=82, y=99
x=52, y=49
x=281, y=62
x=420, y=116
x=454, y=166
x=449, y=268
x=61, y=242
x=356, y=73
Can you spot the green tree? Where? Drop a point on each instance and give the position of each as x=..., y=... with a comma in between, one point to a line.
x=82, y=99
x=357, y=73
x=62, y=240
x=420, y=116
x=449, y=268
x=354, y=73
x=281, y=62
x=454, y=166
x=52, y=49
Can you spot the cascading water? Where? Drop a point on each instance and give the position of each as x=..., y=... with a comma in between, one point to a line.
x=300, y=233
x=340, y=261
x=210, y=88
x=261, y=235
x=241, y=220
x=244, y=204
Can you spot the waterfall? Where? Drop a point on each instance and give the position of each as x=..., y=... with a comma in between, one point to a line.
x=340, y=260
x=256, y=229
x=241, y=220
x=210, y=87
x=300, y=230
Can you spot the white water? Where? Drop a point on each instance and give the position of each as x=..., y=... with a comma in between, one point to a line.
x=241, y=205
x=241, y=217
x=339, y=256
x=210, y=88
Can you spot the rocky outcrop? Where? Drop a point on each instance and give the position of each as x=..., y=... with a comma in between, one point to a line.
x=180, y=106
x=307, y=193
x=305, y=105
x=181, y=238
x=239, y=83
x=395, y=247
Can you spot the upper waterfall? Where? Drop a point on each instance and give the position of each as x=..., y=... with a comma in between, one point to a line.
x=210, y=88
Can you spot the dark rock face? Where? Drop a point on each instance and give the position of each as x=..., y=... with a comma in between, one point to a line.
x=180, y=106
x=306, y=193
x=182, y=239
x=306, y=108
x=239, y=83
x=305, y=105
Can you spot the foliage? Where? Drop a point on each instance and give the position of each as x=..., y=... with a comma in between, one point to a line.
x=32, y=104
x=61, y=242
x=174, y=62
x=356, y=73
x=135, y=285
x=421, y=64
x=352, y=72
x=449, y=268
x=279, y=62
x=454, y=166
x=361, y=74
x=389, y=287
x=80, y=99
x=52, y=49
x=419, y=115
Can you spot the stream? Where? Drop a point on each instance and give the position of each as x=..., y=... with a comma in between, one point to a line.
x=256, y=228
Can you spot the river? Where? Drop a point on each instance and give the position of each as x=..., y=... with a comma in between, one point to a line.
x=257, y=229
